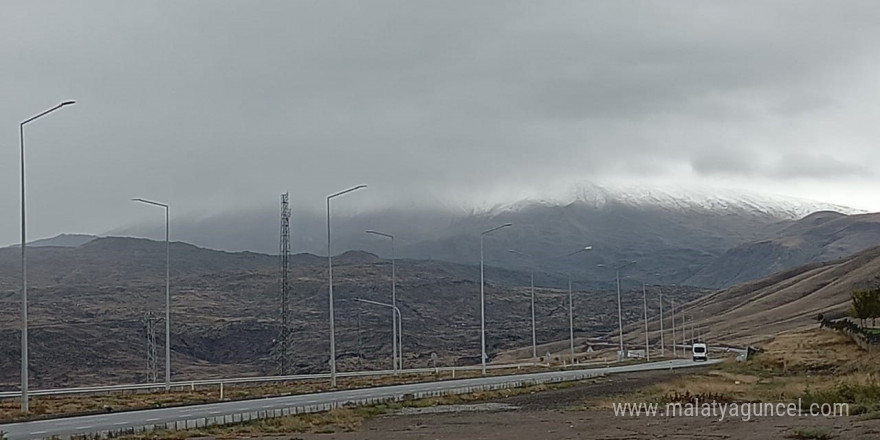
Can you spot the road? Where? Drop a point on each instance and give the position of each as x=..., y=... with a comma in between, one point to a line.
x=64, y=427
x=258, y=379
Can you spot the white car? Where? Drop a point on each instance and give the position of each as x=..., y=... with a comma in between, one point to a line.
x=700, y=352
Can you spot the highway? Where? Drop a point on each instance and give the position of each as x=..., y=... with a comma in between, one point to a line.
x=256, y=379
x=113, y=422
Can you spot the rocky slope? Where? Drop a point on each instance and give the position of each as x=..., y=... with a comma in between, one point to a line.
x=87, y=305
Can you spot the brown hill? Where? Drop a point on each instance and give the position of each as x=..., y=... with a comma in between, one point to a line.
x=784, y=301
x=87, y=306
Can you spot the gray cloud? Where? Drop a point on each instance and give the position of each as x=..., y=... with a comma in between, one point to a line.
x=220, y=106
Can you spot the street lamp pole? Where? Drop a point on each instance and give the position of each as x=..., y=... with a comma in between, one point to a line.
x=662, y=345
x=24, y=300
x=330, y=273
x=691, y=318
x=571, y=306
x=167, y=292
x=396, y=357
x=532, y=282
x=621, y=354
x=619, y=316
x=672, y=302
x=684, y=334
x=483, y=295
x=570, y=323
x=534, y=335
x=647, y=343
x=398, y=327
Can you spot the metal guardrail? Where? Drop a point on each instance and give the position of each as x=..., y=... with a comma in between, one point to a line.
x=147, y=421
x=256, y=379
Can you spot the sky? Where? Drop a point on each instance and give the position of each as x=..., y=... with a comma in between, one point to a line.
x=219, y=106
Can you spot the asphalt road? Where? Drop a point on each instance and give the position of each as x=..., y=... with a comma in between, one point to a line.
x=64, y=427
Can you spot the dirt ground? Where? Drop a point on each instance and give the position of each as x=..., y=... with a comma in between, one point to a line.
x=566, y=414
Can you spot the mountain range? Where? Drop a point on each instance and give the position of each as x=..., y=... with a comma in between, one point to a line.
x=90, y=296
x=707, y=238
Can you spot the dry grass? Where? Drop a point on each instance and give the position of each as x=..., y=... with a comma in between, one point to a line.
x=342, y=419
x=811, y=434
x=816, y=366
x=42, y=407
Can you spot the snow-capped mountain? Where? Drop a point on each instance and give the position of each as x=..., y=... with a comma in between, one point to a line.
x=672, y=232
x=719, y=200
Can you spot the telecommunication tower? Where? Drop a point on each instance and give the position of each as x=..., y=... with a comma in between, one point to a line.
x=152, y=360
x=284, y=340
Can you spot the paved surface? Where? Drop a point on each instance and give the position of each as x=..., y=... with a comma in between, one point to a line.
x=240, y=380
x=64, y=427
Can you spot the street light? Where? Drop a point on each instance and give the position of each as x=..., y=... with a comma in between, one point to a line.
x=672, y=302
x=571, y=307
x=167, y=294
x=684, y=329
x=396, y=358
x=662, y=344
x=330, y=266
x=570, y=323
x=621, y=354
x=532, y=279
x=24, y=309
x=483, y=295
x=398, y=327
x=662, y=339
x=647, y=344
x=691, y=318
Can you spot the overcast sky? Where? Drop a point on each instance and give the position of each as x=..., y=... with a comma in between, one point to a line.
x=214, y=106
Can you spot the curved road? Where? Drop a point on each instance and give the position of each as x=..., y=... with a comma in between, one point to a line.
x=64, y=427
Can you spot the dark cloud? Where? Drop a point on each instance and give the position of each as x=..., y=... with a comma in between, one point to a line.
x=222, y=105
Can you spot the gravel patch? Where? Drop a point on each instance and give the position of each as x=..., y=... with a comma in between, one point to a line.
x=473, y=407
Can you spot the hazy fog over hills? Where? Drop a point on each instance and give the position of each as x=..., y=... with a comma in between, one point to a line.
x=819, y=237
x=672, y=233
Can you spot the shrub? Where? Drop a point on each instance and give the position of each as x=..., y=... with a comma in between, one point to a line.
x=811, y=433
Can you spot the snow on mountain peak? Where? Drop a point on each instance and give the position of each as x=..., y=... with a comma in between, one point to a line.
x=686, y=198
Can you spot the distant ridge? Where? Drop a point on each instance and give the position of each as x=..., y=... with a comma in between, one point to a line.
x=62, y=240
x=818, y=237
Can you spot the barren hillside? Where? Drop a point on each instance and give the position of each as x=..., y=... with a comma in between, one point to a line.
x=87, y=306
x=784, y=301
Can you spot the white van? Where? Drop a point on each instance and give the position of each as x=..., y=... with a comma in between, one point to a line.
x=700, y=352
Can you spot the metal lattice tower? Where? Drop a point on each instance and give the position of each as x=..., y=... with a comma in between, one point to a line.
x=152, y=359
x=284, y=340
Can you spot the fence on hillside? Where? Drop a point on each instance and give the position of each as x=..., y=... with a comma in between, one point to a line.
x=867, y=340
